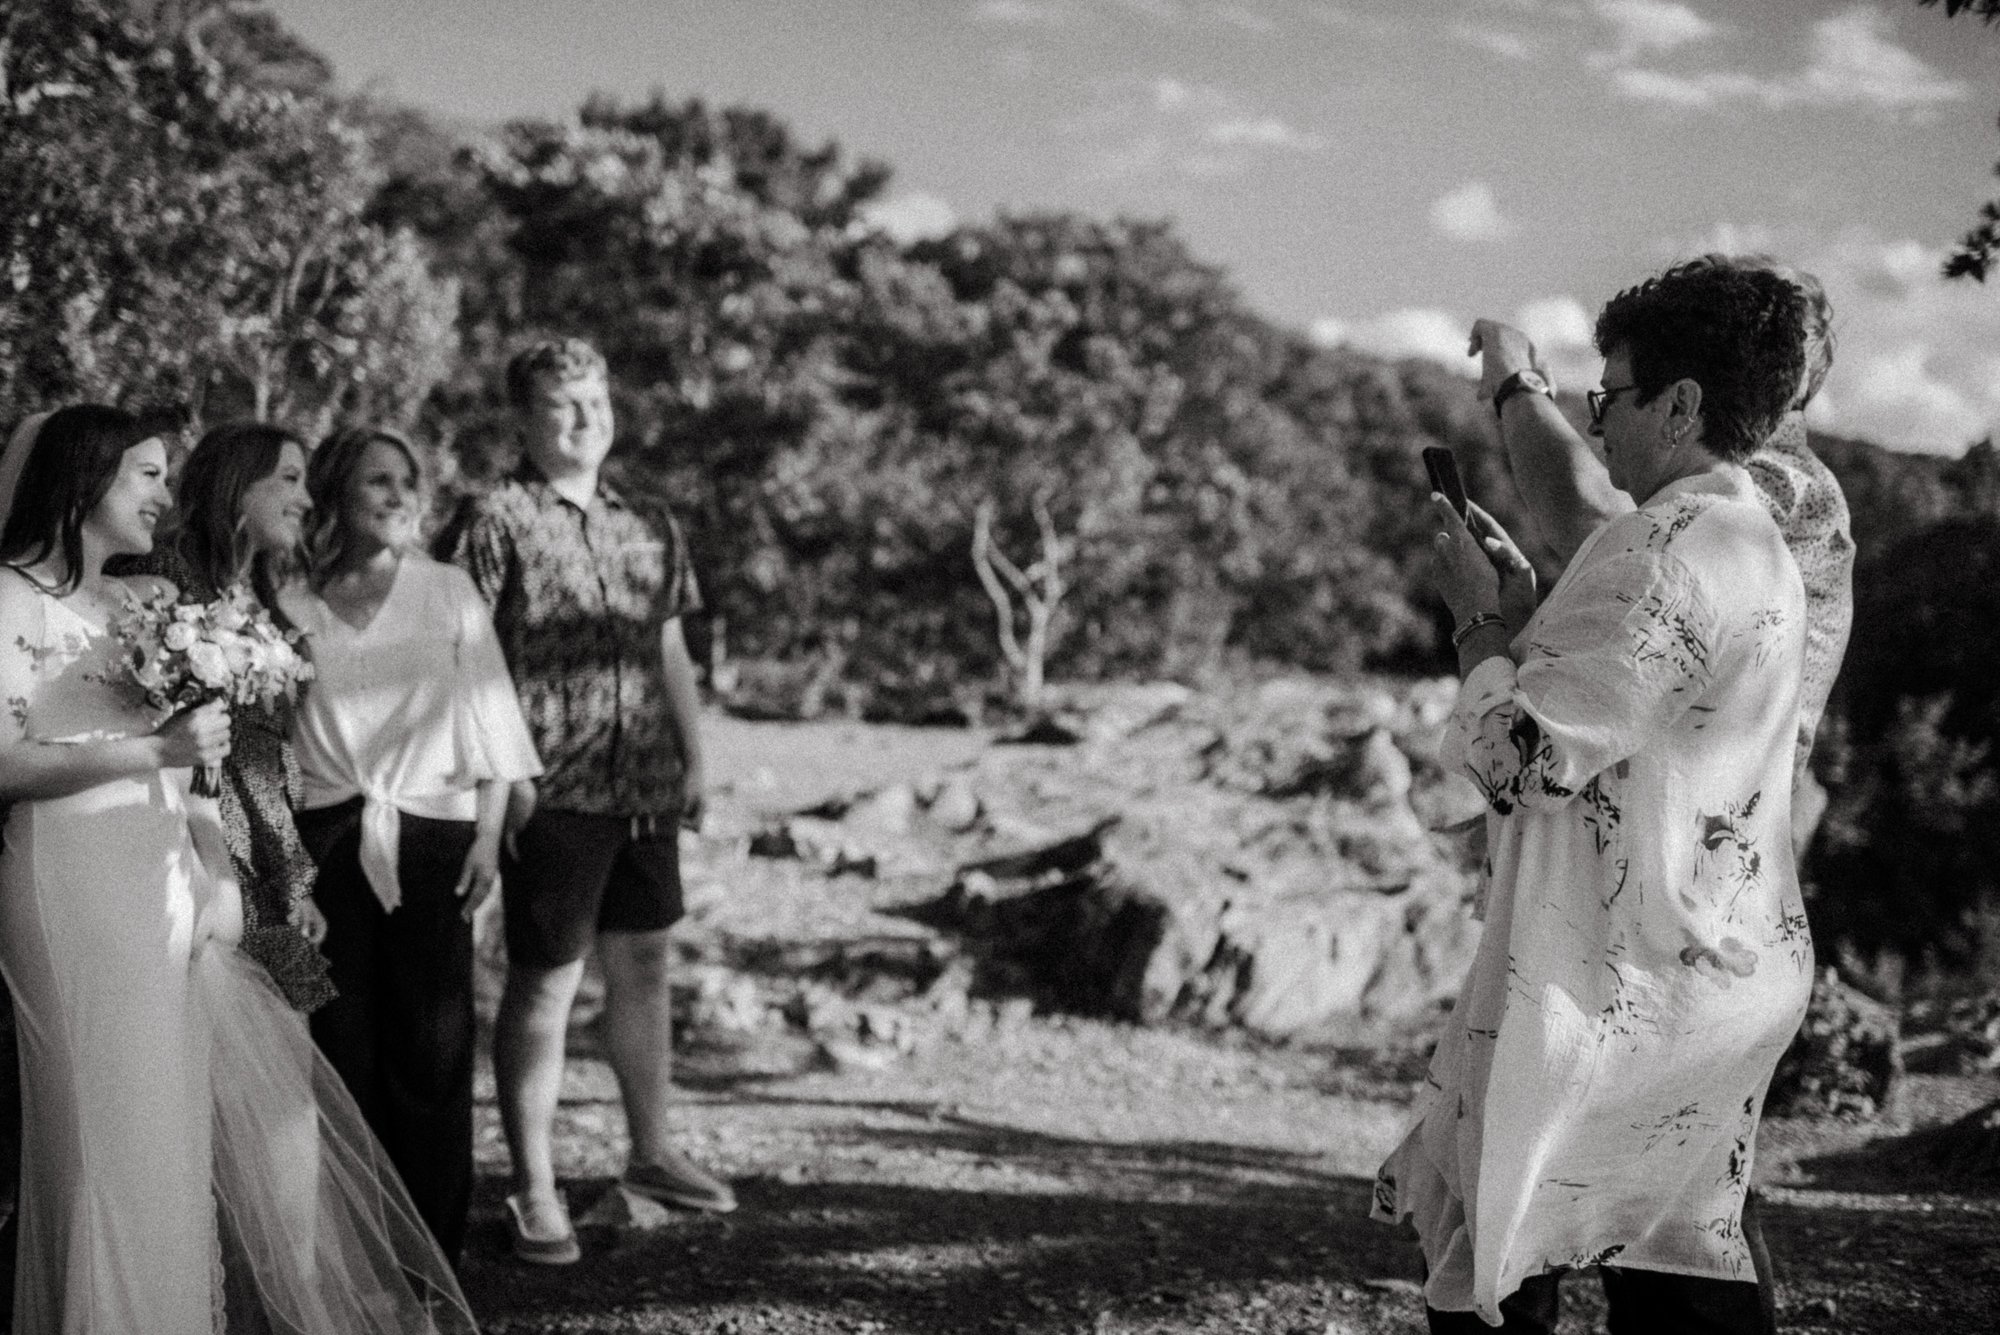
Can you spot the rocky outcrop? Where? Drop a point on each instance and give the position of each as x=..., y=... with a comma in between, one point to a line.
x=1268, y=859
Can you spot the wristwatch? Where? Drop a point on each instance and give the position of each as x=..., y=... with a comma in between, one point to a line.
x=1521, y=382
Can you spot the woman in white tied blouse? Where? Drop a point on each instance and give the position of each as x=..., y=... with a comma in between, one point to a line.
x=1594, y=1098
x=409, y=738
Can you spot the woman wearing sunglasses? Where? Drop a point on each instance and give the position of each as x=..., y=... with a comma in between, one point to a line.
x=1594, y=1099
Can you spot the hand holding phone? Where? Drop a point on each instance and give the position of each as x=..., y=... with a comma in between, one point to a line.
x=1442, y=466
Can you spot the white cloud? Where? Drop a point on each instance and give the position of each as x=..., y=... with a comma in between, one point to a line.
x=1917, y=357
x=910, y=215
x=1470, y=213
x=1244, y=17
x=1899, y=396
x=1159, y=11
x=1252, y=17
x=1856, y=59
x=1261, y=131
x=1642, y=26
x=1020, y=13
x=1423, y=332
x=1688, y=90
x=1851, y=59
x=1559, y=325
x=1191, y=128
x=1556, y=322
x=1561, y=328
x=1494, y=41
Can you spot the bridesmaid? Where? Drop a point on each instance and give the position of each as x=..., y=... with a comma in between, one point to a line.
x=240, y=507
x=410, y=738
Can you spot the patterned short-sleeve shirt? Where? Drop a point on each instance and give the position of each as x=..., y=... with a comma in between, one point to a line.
x=1802, y=495
x=579, y=597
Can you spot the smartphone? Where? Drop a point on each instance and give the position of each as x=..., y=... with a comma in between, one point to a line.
x=1442, y=466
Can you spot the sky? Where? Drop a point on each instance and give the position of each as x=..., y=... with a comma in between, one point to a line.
x=1374, y=172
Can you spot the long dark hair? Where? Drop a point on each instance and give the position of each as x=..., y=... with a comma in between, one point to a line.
x=71, y=465
x=329, y=473
x=226, y=462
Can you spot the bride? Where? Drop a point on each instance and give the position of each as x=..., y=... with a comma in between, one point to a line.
x=175, y=1109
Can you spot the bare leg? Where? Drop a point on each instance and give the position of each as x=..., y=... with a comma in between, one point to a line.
x=528, y=1067
x=639, y=1035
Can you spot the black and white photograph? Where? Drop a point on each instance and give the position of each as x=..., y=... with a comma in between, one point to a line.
x=999, y=667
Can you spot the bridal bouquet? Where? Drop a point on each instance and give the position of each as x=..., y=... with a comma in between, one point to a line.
x=186, y=654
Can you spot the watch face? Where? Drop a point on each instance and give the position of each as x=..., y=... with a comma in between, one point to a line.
x=1533, y=382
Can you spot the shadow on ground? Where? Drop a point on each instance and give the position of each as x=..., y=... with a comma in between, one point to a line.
x=1110, y=1235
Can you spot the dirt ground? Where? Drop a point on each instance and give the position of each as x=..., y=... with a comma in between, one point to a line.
x=1052, y=1173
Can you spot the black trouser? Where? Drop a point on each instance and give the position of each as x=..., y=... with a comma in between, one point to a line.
x=400, y=1032
x=1643, y=1302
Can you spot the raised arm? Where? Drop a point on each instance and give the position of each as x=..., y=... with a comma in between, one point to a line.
x=1561, y=480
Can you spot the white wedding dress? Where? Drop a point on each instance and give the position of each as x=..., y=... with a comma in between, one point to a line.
x=176, y=1111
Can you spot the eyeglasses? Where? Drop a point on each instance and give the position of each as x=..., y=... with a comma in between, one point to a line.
x=1600, y=399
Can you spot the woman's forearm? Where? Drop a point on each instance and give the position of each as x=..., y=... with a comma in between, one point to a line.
x=32, y=771
x=492, y=813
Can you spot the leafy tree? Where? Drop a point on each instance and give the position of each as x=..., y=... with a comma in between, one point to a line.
x=182, y=218
x=1910, y=850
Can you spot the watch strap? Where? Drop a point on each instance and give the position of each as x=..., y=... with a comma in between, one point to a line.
x=1520, y=382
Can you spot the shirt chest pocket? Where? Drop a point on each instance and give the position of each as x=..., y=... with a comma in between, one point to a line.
x=637, y=572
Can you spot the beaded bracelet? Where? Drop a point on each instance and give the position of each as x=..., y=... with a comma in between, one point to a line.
x=1459, y=636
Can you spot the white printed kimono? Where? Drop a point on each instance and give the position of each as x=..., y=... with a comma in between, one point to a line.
x=1595, y=1094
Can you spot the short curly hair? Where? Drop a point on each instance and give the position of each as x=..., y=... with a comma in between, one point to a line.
x=1738, y=332
x=564, y=358
x=1820, y=341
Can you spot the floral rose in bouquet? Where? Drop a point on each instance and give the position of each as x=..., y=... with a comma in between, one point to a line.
x=187, y=654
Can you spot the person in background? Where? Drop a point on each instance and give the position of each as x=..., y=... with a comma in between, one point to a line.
x=1645, y=959
x=409, y=738
x=240, y=508
x=587, y=592
x=1568, y=493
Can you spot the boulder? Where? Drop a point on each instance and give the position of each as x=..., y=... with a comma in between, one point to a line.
x=954, y=806
x=1125, y=920
x=886, y=813
x=1972, y=1034
x=718, y=999
x=1113, y=712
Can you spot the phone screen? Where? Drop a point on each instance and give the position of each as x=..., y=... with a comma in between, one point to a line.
x=1442, y=466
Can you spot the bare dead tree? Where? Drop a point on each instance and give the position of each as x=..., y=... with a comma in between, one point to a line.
x=1029, y=596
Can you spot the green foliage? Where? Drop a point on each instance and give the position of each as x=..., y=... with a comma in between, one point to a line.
x=830, y=411
x=182, y=219
x=1989, y=10
x=1844, y=1061
x=1908, y=858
